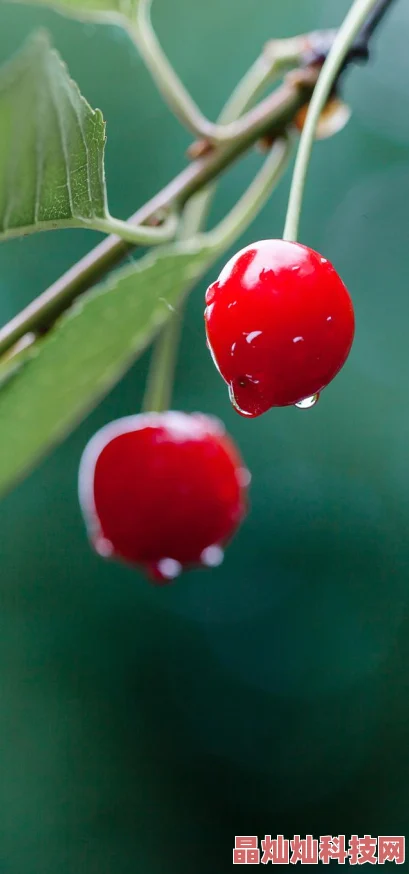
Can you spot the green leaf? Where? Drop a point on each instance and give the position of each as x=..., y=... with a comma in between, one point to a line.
x=13, y=361
x=51, y=146
x=88, y=351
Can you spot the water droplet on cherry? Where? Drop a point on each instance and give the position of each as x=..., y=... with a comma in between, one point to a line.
x=244, y=477
x=212, y=556
x=169, y=568
x=307, y=403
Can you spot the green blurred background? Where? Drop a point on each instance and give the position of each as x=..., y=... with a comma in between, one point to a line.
x=141, y=728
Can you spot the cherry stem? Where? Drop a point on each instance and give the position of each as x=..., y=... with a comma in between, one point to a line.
x=254, y=198
x=282, y=55
x=159, y=386
x=331, y=68
x=158, y=393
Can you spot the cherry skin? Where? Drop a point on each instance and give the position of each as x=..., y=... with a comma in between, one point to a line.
x=279, y=324
x=163, y=491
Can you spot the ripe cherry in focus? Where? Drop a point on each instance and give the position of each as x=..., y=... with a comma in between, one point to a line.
x=162, y=490
x=279, y=324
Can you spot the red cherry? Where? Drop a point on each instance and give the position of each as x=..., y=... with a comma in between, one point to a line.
x=162, y=490
x=279, y=324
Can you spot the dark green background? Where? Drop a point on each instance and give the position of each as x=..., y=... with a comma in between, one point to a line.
x=142, y=728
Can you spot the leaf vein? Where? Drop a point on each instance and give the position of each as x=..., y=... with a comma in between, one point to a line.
x=64, y=147
x=84, y=140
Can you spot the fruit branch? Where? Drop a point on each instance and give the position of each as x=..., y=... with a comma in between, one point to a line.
x=271, y=117
x=177, y=97
x=369, y=26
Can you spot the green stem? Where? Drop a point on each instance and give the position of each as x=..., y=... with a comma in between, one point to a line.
x=282, y=55
x=288, y=53
x=253, y=200
x=343, y=41
x=159, y=386
x=164, y=75
x=138, y=235
x=158, y=393
x=134, y=234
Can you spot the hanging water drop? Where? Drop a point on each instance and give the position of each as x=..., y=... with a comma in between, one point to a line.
x=212, y=556
x=307, y=403
x=169, y=568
